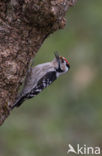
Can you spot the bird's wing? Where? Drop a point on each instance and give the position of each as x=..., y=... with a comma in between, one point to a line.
x=44, y=82
x=35, y=75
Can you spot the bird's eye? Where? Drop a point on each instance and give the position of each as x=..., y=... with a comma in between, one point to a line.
x=62, y=60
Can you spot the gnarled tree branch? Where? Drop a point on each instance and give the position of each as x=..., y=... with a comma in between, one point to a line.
x=24, y=25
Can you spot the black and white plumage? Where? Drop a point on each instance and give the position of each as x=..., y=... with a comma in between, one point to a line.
x=40, y=77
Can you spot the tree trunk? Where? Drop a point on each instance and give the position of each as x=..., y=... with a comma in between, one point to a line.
x=24, y=25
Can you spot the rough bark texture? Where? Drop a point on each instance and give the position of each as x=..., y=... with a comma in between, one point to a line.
x=24, y=25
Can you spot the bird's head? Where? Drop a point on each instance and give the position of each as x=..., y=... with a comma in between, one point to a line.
x=62, y=64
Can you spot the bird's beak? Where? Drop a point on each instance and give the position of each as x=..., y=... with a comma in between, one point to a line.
x=57, y=58
x=56, y=55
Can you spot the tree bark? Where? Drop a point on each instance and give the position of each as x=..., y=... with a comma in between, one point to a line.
x=24, y=25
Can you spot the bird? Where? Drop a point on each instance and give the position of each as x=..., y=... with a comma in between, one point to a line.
x=40, y=77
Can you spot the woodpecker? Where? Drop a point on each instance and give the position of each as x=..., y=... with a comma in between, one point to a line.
x=41, y=76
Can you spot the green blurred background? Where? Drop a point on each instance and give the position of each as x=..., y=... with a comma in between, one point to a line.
x=70, y=110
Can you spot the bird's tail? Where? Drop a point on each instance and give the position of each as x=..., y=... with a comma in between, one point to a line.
x=18, y=101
